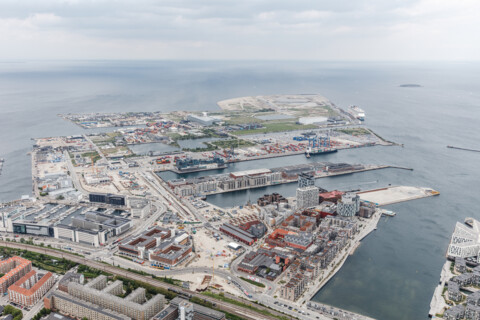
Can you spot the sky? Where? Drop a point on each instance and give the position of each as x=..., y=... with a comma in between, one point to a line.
x=357, y=30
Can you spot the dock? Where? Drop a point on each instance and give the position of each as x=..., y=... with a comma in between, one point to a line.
x=312, y=167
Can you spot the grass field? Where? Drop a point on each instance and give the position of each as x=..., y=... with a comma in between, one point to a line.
x=276, y=127
x=236, y=143
x=355, y=131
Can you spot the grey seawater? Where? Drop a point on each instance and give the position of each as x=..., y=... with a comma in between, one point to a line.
x=393, y=273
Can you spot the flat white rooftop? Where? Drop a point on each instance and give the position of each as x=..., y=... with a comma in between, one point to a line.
x=250, y=172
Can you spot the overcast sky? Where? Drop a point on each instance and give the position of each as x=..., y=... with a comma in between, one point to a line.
x=241, y=29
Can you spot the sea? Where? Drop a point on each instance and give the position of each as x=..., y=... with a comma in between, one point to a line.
x=393, y=274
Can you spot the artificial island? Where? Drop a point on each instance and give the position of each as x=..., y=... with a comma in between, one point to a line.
x=126, y=204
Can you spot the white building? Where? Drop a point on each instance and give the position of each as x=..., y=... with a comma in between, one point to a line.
x=465, y=241
x=349, y=205
x=307, y=197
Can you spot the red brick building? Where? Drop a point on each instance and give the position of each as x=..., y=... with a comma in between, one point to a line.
x=29, y=289
x=13, y=269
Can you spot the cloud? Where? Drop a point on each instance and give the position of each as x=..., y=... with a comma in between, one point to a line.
x=249, y=29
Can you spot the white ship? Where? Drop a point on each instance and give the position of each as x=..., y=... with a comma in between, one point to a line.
x=357, y=112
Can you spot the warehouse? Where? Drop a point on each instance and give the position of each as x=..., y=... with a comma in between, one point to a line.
x=238, y=233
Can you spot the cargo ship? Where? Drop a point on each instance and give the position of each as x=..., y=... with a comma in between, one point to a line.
x=317, y=151
x=193, y=165
x=357, y=112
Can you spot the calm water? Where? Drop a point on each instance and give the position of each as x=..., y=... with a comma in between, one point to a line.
x=393, y=273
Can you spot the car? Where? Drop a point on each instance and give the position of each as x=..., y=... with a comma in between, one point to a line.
x=276, y=302
x=290, y=308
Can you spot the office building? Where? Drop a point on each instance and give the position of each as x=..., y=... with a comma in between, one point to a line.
x=107, y=198
x=93, y=228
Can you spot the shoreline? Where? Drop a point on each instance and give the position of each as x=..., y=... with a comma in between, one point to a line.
x=319, y=284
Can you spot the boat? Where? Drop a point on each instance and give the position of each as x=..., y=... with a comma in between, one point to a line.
x=357, y=112
x=469, y=222
x=388, y=213
x=317, y=151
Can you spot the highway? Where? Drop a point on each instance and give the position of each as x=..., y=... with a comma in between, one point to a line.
x=237, y=310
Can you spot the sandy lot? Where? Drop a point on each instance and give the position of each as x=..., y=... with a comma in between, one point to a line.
x=396, y=194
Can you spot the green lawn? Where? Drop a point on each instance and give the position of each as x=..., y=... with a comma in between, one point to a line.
x=255, y=283
x=355, y=131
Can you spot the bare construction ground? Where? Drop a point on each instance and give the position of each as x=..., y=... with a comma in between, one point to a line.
x=277, y=103
x=390, y=195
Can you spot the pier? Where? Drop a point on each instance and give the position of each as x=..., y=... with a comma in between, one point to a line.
x=395, y=194
x=222, y=183
x=464, y=149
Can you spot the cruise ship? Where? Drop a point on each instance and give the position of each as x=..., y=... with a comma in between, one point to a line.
x=357, y=112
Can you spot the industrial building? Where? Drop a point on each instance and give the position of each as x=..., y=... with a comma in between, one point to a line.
x=349, y=205
x=30, y=288
x=93, y=228
x=13, y=269
x=237, y=233
x=204, y=119
x=101, y=295
x=307, y=197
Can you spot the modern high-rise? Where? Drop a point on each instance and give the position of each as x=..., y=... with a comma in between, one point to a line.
x=349, y=205
x=306, y=180
x=307, y=197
